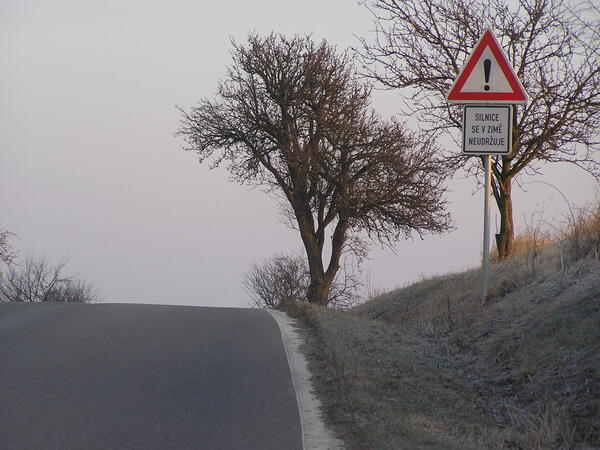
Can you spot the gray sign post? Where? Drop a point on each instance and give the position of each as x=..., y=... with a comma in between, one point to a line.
x=487, y=131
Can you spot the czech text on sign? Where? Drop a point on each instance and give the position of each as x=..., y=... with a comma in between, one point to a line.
x=487, y=76
x=487, y=130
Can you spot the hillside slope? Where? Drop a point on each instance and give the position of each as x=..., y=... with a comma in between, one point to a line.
x=428, y=366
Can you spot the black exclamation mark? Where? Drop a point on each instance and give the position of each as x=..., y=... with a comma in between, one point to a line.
x=487, y=68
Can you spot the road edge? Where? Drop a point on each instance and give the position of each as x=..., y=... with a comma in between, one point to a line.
x=315, y=434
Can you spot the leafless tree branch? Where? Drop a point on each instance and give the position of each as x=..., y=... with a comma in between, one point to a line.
x=7, y=254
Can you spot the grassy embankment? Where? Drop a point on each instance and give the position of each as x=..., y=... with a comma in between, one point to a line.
x=428, y=366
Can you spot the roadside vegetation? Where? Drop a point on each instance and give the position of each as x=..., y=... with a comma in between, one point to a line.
x=35, y=279
x=429, y=366
x=286, y=277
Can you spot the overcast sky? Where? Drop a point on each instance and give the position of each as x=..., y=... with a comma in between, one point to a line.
x=90, y=170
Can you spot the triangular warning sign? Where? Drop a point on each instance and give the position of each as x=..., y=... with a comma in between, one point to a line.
x=487, y=76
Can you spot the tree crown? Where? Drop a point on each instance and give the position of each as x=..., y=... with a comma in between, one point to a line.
x=292, y=115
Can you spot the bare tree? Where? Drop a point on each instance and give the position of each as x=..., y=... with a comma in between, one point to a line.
x=292, y=116
x=276, y=280
x=35, y=280
x=285, y=278
x=420, y=46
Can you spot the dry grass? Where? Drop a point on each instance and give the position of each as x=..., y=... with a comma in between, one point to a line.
x=427, y=366
x=372, y=381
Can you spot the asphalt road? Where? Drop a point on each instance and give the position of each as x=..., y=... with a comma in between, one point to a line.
x=143, y=377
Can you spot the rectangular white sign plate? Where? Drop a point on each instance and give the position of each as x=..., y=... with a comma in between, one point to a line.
x=487, y=129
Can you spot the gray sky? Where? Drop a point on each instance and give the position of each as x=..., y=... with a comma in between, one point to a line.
x=89, y=167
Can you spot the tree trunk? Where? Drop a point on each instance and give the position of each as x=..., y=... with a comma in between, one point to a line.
x=318, y=291
x=504, y=239
x=321, y=279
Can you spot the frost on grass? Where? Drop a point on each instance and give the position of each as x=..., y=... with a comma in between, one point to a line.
x=428, y=366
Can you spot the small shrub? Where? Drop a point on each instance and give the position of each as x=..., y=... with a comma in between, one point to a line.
x=277, y=280
x=285, y=278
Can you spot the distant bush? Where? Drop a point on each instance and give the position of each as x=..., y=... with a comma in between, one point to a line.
x=35, y=280
x=276, y=280
x=285, y=278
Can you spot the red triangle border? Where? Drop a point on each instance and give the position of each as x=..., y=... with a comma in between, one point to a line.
x=518, y=94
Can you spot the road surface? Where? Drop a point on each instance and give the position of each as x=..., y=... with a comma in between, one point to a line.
x=76, y=376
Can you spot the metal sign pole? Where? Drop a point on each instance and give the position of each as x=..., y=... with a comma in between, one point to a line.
x=486, y=228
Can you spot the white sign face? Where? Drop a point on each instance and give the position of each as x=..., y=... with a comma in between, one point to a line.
x=487, y=130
